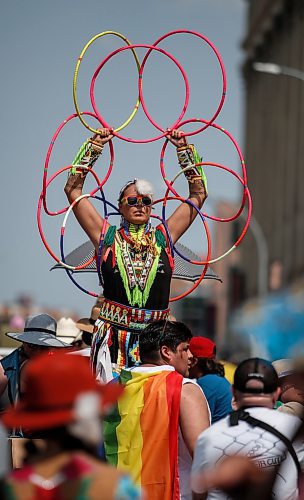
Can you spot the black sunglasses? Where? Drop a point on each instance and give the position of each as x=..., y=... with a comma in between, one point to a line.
x=132, y=201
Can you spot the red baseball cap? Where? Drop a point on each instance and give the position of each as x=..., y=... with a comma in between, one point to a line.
x=202, y=347
x=53, y=384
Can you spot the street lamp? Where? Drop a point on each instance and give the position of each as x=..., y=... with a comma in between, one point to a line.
x=277, y=69
x=262, y=250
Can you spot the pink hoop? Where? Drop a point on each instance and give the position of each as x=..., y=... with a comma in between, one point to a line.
x=240, y=154
x=105, y=124
x=195, y=285
x=47, y=160
x=233, y=217
x=200, y=279
x=230, y=136
x=236, y=244
x=82, y=266
x=224, y=80
x=243, y=167
x=218, y=165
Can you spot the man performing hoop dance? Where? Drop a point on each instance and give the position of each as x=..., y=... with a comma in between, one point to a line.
x=136, y=260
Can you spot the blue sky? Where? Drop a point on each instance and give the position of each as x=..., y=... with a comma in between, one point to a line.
x=40, y=43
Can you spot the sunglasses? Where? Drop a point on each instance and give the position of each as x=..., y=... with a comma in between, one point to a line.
x=132, y=201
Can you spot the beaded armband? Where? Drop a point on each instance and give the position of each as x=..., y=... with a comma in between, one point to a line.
x=187, y=156
x=86, y=157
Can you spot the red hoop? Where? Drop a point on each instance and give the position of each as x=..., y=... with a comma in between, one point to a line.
x=105, y=124
x=195, y=285
x=236, y=244
x=230, y=136
x=47, y=160
x=217, y=165
x=82, y=266
x=224, y=80
x=243, y=167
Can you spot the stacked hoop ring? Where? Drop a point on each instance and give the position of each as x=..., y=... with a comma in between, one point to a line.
x=171, y=193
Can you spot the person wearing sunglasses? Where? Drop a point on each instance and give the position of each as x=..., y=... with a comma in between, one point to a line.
x=137, y=262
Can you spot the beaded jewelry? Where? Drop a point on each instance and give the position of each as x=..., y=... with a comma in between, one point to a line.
x=188, y=155
x=87, y=156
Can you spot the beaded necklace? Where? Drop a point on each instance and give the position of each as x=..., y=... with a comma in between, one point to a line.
x=137, y=253
x=137, y=250
x=138, y=235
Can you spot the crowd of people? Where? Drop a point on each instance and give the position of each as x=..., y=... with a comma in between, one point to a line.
x=171, y=427
x=126, y=403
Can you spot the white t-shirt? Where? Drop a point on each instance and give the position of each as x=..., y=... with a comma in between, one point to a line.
x=263, y=447
x=184, y=457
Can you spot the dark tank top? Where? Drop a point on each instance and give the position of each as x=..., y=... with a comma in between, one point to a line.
x=159, y=294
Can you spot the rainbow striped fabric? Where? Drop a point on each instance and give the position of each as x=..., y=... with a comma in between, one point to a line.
x=141, y=434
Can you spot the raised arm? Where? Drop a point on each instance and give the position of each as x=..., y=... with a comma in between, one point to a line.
x=184, y=215
x=86, y=214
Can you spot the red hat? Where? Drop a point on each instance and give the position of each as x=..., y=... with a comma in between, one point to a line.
x=54, y=384
x=202, y=347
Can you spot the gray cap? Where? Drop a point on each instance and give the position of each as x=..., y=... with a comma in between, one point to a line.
x=39, y=329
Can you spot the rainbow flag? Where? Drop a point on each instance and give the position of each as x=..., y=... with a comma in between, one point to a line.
x=141, y=434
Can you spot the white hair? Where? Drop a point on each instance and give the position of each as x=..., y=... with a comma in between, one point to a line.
x=144, y=187
x=141, y=185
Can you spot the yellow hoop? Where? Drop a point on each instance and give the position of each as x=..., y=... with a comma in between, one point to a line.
x=76, y=76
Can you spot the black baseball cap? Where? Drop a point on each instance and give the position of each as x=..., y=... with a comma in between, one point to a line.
x=256, y=369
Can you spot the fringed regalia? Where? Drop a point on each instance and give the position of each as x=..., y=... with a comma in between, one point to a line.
x=136, y=268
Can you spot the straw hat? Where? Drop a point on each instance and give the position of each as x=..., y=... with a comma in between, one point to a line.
x=55, y=385
x=67, y=330
x=39, y=329
x=87, y=324
x=284, y=367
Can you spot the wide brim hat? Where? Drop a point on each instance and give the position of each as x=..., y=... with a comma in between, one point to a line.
x=284, y=367
x=67, y=330
x=55, y=383
x=39, y=329
x=87, y=324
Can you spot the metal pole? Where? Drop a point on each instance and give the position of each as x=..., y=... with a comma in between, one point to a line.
x=263, y=255
x=262, y=252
